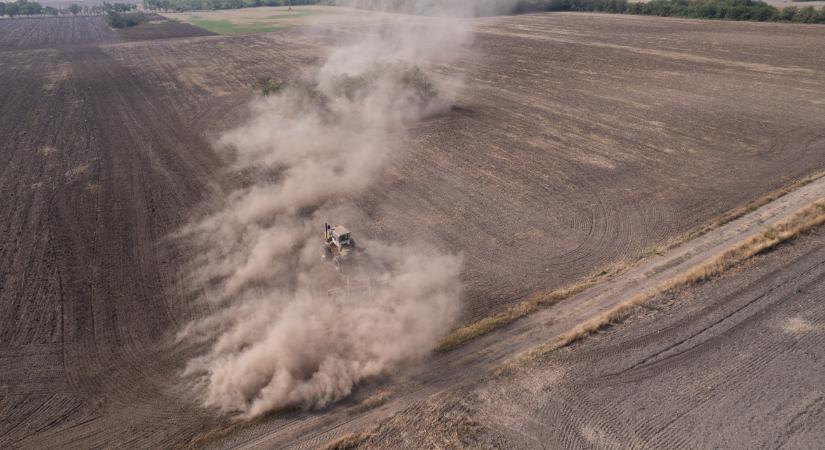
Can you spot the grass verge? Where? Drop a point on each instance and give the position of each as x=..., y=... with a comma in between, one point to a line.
x=547, y=298
x=734, y=214
x=229, y=27
x=533, y=303
x=348, y=442
x=213, y=435
x=216, y=434
x=803, y=221
x=201, y=440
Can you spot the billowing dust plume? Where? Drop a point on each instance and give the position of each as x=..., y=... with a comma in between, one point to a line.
x=278, y=338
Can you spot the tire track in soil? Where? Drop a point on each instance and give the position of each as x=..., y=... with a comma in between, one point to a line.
x=749, y=372
x=774, y=291
x=122, y=116
x=150, y=180
x=482, y=355
x=120, y=172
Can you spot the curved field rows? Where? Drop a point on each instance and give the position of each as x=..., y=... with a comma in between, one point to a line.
x=576, y=145
x=735, y=363
x=578, y=140
x=23, y=33
x=452, y=396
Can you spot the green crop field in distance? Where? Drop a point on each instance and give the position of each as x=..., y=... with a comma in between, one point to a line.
x=228, y=27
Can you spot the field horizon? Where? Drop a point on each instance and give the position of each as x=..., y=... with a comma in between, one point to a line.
x=572, y=143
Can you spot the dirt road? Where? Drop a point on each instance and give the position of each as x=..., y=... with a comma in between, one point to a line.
x=735, y=363
x=463, y=367
x=579, y=140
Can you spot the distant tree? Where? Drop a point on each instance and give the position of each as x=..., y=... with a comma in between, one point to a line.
x=12, y=9
x=806, y=15
x=2, y=9
x=123, y=20
x=270, y=86
x=118, y=7
x=27, y=8
x=50, y=10
x=75, y=9
x=787, y=13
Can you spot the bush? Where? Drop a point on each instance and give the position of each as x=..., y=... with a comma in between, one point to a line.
x=269, y=86
x=752, y=10
x=123, y=20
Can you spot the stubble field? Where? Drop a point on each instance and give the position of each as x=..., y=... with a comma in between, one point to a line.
x=578, y=140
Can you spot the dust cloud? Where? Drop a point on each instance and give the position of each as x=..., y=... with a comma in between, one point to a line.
x=281, y=334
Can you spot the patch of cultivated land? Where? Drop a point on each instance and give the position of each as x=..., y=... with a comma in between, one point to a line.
x=735, y=363
x=68, y=32
x=159, y=27
x=49, y=32
x=257, y=20
x=584, y=139
x=579, y=140
x=506, y=353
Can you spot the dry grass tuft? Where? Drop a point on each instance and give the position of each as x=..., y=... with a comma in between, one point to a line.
x=805, y=220
x=48, y=150
x=214, y=435
x=546, y=298
x=348, y=442
x=541, y=299
x=76, y=172
x=94, y=188
x=739, y=212
x=372, y=402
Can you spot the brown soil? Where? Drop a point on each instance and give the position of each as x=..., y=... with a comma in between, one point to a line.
x=51, y=32
x=733, y=363
x=583, y=139
x=159, y=27
x=507, y=351
x=580, y=140
x=96, y=170
x=68, y=32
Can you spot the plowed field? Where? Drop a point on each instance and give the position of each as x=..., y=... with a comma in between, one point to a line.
x=578, y=140
x=735, y=363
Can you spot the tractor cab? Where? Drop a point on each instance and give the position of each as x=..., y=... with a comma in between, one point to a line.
x=340, y=237
x=338, y=246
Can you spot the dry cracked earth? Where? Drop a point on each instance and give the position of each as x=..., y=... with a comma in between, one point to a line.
x=579, y=140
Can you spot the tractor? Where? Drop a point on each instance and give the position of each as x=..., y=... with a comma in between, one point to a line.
x=338, y=246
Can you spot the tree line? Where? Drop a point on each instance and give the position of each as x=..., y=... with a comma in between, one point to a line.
x=752, y=10
x=33, y=8
x=122, y=15
x=118, y=15
x=26, y=8
x=198, y=5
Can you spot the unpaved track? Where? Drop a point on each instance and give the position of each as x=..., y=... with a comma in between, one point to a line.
x=579, y=140
x=583, y=138
x=466, y=365
x=733, y=363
